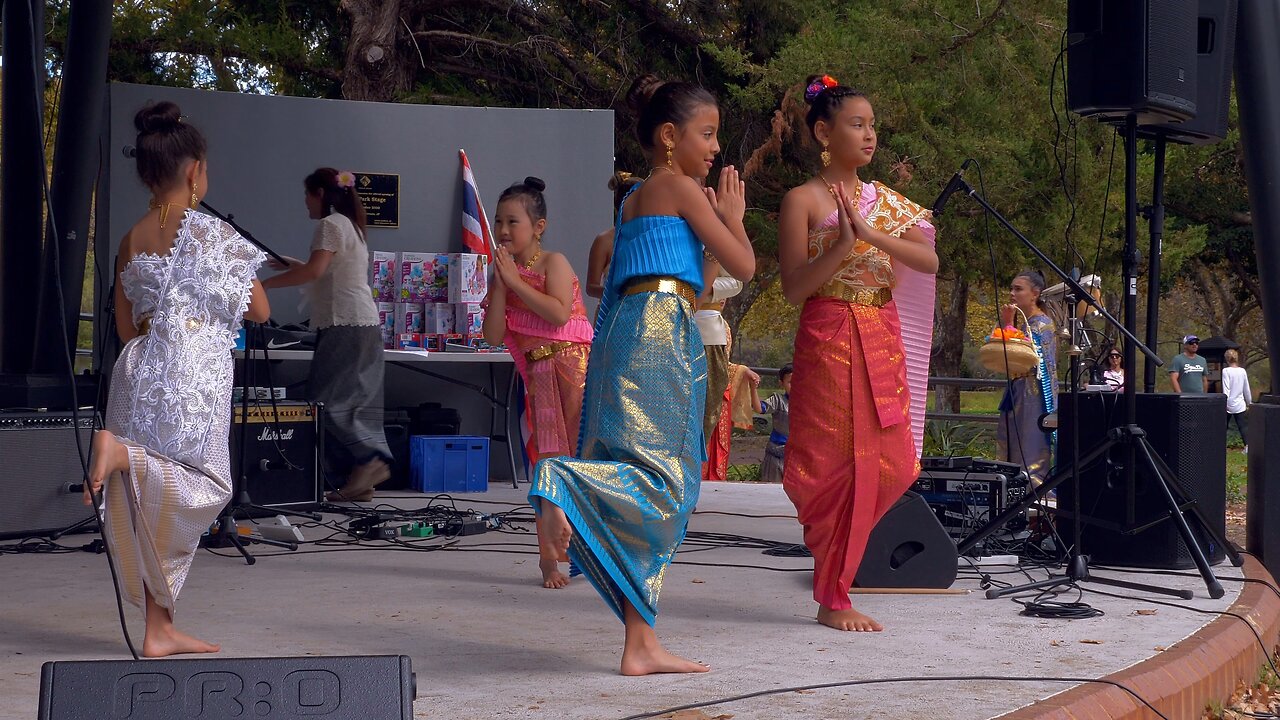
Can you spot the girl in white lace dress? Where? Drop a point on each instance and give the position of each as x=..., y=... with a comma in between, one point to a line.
x=183, y=282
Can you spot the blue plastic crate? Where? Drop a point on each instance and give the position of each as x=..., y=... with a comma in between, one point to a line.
x=449, y=463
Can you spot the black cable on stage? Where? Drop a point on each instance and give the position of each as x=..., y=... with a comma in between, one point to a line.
x=52, y=242
x=895, y=680
x=1106, y=199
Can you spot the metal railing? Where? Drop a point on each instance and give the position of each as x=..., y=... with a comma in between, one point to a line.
x=962, y=383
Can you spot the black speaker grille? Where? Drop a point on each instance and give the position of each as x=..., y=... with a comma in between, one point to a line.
x=1171, y=43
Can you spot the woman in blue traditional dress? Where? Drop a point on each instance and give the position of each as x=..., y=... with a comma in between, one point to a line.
x=622, y=507
x=1019, y=438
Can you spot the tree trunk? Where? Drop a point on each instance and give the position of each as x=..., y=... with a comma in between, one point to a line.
x=948, y=344
x=379, y=66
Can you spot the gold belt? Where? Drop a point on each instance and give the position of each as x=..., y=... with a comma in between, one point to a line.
x=663, y=285
x=545, y=351
x=875, y=297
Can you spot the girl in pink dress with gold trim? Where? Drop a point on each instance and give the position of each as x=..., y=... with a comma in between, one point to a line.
x=859, y=257
x=535, y=307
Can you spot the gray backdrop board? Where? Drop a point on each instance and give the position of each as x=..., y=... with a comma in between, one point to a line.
x=261, y=147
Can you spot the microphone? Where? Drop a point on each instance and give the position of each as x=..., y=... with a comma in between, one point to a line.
x=129, y=151
x=953, y=185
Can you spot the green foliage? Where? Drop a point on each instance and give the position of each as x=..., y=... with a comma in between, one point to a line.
x=946, y=439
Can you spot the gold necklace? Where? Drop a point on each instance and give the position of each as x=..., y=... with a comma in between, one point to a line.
x=656, y=168
x=831, y=188
x=537, y=254
x=153, y=204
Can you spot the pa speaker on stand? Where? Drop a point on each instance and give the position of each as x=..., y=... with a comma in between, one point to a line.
x=1132, y=57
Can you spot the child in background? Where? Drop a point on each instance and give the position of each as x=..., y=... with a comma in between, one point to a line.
x=535, y=307
x=779, y=406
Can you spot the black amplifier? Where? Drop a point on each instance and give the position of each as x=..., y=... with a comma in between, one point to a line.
x=965, y=500
x=284, y=445
x=41, y=462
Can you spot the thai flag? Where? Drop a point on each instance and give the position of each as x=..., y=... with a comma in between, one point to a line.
x=475, y=224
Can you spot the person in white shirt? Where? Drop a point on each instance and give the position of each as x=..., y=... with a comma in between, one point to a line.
x=1235, y=384
x=347, y=369
x=714, y=331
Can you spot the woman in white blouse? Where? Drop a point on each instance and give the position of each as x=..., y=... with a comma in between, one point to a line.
x=347, y=369
x=1235, y=383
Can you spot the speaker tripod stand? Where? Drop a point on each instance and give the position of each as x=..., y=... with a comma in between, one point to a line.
x=1129, y=437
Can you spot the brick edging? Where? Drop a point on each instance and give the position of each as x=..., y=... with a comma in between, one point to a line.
x=1183, y=679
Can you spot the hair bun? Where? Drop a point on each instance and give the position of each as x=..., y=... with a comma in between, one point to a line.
x=535, y=183
x=157, y=117
x=642, y=90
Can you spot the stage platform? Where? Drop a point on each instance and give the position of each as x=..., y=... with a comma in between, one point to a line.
x=487, y=641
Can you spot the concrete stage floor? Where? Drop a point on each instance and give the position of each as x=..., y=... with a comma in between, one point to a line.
x=487, y=641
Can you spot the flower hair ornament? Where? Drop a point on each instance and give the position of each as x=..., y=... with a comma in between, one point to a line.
x=345, y=180
x=816, y=87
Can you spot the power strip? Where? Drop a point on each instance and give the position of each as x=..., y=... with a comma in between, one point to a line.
x=990, y=561
x=281, y=530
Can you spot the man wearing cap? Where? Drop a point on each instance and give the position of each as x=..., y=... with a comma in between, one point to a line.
x=1186, y=371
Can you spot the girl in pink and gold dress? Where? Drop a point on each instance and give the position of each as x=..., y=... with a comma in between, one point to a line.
x=859, y=257
x=535, y=307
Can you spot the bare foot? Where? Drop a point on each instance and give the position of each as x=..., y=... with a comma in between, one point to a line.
x=109, y=455
x=173, y=642
x=557, y=528
x=654, y=659
x=552, y=578
x=847, y=620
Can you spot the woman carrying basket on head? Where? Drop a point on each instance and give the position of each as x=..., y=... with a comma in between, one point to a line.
x=1019, y=438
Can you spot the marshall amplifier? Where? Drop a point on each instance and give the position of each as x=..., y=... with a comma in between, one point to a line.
x=41, y=461
x=281, y=455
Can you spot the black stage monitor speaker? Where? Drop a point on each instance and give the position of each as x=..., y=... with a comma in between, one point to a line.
x=283, y=452
x=1132, y=57
x=335, y=688
x=908, y=548
x=1215, y=56
x=1189, y=432
x=40, y=460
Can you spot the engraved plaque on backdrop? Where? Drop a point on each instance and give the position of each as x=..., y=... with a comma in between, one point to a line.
x=380, y=193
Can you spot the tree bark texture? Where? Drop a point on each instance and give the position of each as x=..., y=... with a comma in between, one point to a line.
x=948, y=344
x=381, y=62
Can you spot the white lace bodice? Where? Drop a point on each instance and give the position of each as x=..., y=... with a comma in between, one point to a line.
x=180, y=371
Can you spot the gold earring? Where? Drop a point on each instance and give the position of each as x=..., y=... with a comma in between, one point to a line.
x=826, y=156
x=195, y=199
x=669, y=148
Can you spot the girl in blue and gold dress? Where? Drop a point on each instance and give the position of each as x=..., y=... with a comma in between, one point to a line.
x=622, y=506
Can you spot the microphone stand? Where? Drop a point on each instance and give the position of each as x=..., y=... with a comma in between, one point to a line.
x=228, y=534
x=1130, y=437
x=230, y=220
